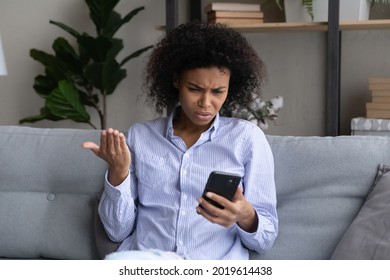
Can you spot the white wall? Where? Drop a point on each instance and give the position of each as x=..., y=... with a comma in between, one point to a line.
x=24, y=24
x=295, y=67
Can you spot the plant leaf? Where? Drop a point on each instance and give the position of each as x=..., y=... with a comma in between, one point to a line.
x=112, y=76
x=135, y=54
x=97, y=48
x=115, y=21
x=44, y=85
x=116, y=47
x=69, y=62
x=68, y=29
x=94, y=74
x=88, y=100
x=308, y=4
x=105, y=76
x=49, y=61
x=280, y=4
x=45, y=115
x=64, y=102
x=100, y=11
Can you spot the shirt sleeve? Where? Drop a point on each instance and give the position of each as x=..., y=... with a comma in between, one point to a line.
x=259, y=190
x=117, y=209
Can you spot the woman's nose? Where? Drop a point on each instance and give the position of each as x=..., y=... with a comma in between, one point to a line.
x=204, y=101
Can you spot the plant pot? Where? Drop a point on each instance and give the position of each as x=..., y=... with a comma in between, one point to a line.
x=349, y=10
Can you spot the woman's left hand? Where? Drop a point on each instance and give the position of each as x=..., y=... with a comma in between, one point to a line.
x=239, y=211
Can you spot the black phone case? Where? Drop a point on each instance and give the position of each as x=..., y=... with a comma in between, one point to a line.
x=221, y=183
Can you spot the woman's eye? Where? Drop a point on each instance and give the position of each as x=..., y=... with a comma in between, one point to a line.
x=193, y=89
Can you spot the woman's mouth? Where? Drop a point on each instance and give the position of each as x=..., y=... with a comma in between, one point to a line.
x=204, y=116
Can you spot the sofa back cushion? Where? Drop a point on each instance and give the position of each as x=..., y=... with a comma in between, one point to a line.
x=48, y=187
x=321, y=184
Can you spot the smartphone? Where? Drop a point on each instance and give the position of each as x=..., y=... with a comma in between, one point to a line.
x=221, y=183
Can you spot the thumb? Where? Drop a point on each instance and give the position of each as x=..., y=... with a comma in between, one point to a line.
x=238, y=195
x=91, y=146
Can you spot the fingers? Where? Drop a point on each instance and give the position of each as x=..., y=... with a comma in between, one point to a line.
x=113, y=148
x=91, y=146
x=103, y=140
x=239, y=195
x=123, y=141
x=224, y=217
x=218, y=199
x=114, y=141
x=231, y=212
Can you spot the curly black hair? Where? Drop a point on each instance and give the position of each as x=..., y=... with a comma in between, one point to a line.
x=201, y=45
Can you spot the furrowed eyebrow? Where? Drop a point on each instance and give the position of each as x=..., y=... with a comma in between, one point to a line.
x=199, y=87
x=194, y=85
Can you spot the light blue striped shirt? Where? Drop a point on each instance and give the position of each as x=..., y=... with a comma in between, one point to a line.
x=154, y=208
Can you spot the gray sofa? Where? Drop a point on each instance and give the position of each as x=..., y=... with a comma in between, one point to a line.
x=49, y=187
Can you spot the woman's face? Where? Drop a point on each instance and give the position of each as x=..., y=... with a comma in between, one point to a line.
x=202, y=92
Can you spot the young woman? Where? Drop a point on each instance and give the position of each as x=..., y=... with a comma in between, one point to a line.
x=156, y=174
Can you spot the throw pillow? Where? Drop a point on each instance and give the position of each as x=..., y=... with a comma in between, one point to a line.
x=368, y=237
x=382, y=169
x=104, y=244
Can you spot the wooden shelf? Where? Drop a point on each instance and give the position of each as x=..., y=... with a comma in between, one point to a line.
x=284, y=27
x=314, y=26
x=365, y=25
x=308, y=26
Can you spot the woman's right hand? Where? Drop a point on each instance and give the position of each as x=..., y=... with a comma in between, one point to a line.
x=114, y=150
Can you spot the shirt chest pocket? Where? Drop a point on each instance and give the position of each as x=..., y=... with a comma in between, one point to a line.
x=152, y=171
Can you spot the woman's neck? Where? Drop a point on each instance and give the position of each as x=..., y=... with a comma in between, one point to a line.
x=186, y=130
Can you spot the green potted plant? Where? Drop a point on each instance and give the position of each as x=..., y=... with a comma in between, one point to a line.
x=77, y=78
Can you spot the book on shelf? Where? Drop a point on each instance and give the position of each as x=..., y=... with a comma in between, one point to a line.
x=244, y=25
x=381, y=99
x=379, y=80
x=229, y=6
x=378, y=86
x=377, y=106
x=234, y=14
x=237, y=22
x=377, y=114
x=380, y=93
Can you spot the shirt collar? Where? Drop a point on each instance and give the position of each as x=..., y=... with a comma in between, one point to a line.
x=211, y=131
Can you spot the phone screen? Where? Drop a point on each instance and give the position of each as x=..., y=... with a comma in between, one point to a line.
x=221, y=183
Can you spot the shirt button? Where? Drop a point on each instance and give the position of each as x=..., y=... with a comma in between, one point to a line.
x=185, y=196
x=181, y=243
x=183, y=213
